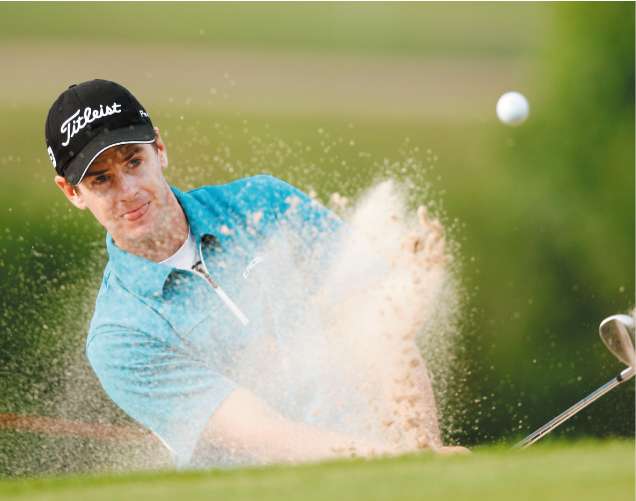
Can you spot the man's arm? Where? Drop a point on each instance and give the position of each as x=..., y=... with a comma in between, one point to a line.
x=245, y=424
x=189, y=405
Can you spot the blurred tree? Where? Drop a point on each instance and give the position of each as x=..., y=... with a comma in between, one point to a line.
x=572, y=210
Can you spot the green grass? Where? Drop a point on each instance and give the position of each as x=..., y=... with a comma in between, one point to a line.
x=558, y=471
x=504, y=29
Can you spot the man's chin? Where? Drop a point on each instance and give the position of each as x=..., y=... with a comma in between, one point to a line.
x=135, y=234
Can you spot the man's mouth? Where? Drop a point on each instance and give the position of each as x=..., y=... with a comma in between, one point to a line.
x=135, y=214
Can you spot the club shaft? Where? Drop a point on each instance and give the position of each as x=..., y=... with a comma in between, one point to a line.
x=625, y=375
x=66, y=428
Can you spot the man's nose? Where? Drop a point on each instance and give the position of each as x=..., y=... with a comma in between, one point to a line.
x=128, y=185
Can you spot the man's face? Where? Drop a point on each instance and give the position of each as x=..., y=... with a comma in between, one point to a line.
x=126, y=191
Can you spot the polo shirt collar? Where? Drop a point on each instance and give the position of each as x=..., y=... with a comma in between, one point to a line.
x=145, y=277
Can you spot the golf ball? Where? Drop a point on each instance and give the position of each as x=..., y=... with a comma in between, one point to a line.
x=512, y=108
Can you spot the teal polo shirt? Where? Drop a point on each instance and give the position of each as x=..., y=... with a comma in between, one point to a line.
x=163, y=342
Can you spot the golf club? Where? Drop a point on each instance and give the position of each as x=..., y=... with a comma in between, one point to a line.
x=617, y=333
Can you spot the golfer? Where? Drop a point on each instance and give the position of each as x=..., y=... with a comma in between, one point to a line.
x=167, y=320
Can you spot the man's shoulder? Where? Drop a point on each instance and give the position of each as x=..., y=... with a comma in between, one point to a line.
x=115, y=305
x=247, y=187
x=263, y=197
x=111, y=296
x=267, y=198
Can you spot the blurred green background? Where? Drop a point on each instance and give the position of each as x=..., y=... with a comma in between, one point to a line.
x=333, y=96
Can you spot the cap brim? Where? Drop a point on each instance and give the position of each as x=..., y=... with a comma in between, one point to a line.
x=76, y=168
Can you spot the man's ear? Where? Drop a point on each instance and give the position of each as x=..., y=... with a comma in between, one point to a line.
x=71, y=192
x=161, y=149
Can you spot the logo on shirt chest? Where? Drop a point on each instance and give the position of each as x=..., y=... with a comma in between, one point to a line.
x=253, y=263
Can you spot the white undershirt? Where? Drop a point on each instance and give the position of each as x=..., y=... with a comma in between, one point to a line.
x=186, y=256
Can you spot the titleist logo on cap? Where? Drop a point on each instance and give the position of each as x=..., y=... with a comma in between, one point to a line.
x=87, y=119
x=76, y=122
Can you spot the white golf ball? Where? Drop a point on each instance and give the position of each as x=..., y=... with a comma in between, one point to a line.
x=512, y=108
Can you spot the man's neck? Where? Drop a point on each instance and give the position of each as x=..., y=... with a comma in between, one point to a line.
x=166, y=240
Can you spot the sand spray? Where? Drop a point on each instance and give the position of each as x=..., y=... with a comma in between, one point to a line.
x=360, y=352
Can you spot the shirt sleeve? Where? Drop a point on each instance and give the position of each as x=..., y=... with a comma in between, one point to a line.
x=293, y=202
x=163, y=389
x=316, y=229
x=307, y=218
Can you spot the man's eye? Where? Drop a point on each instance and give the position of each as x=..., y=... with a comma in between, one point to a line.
x=135, y=162
x=101, y=179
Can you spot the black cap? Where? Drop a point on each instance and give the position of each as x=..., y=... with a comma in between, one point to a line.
x=89, y=118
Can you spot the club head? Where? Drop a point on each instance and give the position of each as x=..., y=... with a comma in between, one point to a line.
x=617, y=332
